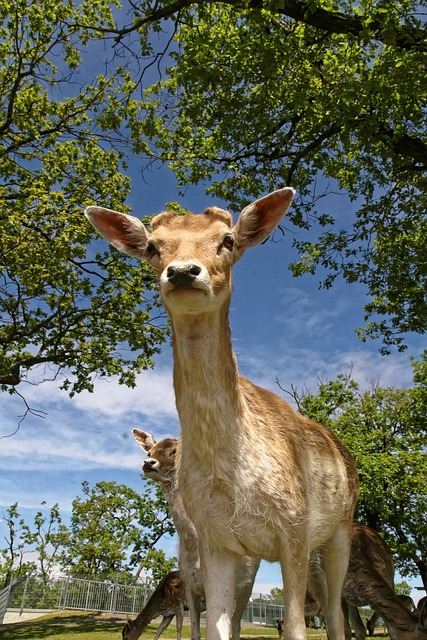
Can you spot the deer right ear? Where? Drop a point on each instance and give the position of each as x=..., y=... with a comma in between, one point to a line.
x=260, y=218
x=126, y=233
x=144, y=440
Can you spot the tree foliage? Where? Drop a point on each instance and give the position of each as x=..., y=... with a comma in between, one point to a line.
x=115, y=529
x=64, y=309
x=324, y=96
x=247, y=96
x=42, y=539
x=386, y=432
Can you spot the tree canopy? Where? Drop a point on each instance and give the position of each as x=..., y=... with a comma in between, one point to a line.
x=65, y=310
x=115, y=529
x=326, y=96
x=245, y=96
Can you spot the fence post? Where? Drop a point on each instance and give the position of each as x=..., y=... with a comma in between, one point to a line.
x=27, y=575
x=113, y=600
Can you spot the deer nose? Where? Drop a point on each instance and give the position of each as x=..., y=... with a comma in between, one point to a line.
x=148, y=464
x=182, y=275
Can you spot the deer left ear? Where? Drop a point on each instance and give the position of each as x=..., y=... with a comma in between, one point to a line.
x=260, y=218
x=125, y=233
x=145, y=440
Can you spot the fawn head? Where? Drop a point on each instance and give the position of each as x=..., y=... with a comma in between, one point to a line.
x=160, y=463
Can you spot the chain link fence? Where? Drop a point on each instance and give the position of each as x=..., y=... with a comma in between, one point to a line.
x=112, y=597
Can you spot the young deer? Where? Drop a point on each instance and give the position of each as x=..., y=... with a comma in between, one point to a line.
x=256, y=478
x=168, y=600
x=160, y=466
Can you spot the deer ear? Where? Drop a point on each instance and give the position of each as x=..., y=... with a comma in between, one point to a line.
x=145, y=440
x=124, y=232
x=260, y=218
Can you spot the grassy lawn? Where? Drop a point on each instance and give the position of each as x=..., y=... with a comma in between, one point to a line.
x=67, y=625
x=93, y=626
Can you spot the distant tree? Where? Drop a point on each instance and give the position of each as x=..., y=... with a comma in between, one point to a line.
x=12, y=560
x=45, y=537
x=115, y=529
x=277, y=593
x=386, y=431
x=403, y=588
x=42, y=539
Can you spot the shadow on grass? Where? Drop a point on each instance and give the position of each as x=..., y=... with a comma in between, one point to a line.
x=61, y=625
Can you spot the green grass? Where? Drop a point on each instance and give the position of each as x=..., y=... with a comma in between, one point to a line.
x=67, y=625
x=94, y=626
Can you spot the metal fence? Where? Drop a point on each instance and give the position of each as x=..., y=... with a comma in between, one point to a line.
x=87, y=595
x=113, y=597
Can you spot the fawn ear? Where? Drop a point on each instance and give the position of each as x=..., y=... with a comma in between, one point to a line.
x=260, y=218
x=124, y=232
x=145, y=440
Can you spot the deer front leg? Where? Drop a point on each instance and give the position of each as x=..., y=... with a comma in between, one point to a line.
x=294, y=565
x=239, y=607
x=163, y=625
x=194, y=602
x=179, y=615
x=218, y=581
x=356, y=621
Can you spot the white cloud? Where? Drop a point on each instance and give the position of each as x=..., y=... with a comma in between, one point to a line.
x=153, y=395
x=301, y=366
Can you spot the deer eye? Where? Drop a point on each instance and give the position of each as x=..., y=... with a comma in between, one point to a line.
x=228, y=242
x=151, y=250
x=172, y=452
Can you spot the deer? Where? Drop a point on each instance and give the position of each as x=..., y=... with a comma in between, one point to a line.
x=371, y=623
x=422, y=602
x=167, y=600
x=160, y=466
x=256, y=478
x=370, y=581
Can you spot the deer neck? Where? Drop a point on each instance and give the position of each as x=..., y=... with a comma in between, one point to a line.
x=184, y=526
x=146, y=615
x=395, y=614
x=205, y=368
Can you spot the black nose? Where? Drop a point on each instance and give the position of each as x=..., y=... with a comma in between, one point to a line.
x=148, y=464
x=183, y=275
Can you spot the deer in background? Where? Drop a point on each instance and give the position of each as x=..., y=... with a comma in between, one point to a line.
x=370, y=581
x=256, y=478
x=161, y=467
x=168, y=600
x=371, y=623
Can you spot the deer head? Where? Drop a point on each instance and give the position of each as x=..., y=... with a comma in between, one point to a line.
x=192, y=255
x=160, y=463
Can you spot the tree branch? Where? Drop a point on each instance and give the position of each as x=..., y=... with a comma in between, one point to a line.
x=405, y=37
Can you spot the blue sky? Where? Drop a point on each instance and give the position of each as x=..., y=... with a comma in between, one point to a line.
x=283, y=328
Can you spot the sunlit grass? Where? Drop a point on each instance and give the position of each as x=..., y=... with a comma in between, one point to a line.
x=94, y=626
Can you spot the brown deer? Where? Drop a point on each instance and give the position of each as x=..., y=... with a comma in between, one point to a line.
x=256, y=478
x=168, y=600
x=371, y=623
x=160, y=466
x=370, y=581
